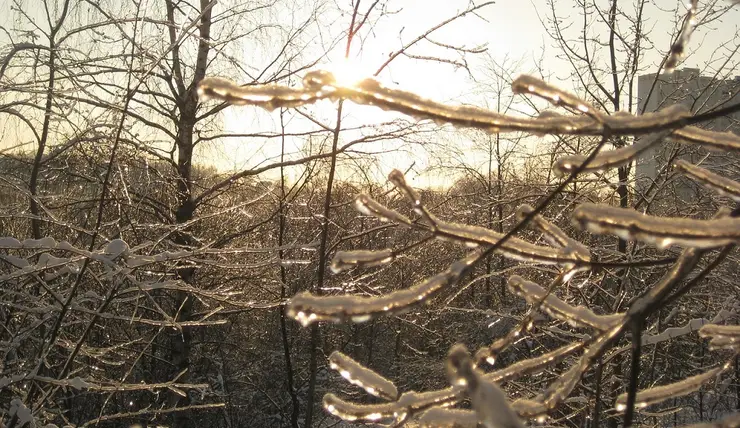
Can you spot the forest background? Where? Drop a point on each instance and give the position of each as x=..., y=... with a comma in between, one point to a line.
x=153, y=239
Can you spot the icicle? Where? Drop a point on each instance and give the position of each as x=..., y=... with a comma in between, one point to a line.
x=657, y=394
x=662, y=232
x=344, y=260
x=553, y=234
x=368, y=206
x=488, y=400
x=453, y=418
x=578, y=316
x=609, y=159
x=363, y=377
x=307, y=308
x=722, y=336
x=679, y=47
x=526, y=84
x=723, y=185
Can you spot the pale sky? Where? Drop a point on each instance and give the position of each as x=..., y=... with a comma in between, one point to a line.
x=508, y=28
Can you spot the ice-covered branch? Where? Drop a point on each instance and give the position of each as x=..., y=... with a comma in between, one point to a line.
x=344, y=260
x=526, y=84
x=732, y=421
x=535, y=364
x=722, y=185
x=454, y=418
x=319, y=84
x=722, y=336
x=678, y=48
x=572, y=255
x=553, y=234
x=657, y=394
x=411, y=404
x=577, y=316
x=408, y=404
x=369, y=206
x=363, y=377
x=663, y=232
x=307, y=308
x=610, y=158
x=487, y=398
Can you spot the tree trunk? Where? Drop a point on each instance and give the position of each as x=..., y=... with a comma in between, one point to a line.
x=187, y=101
x=284, y=288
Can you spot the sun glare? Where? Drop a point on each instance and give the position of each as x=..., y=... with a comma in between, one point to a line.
x=347, y=72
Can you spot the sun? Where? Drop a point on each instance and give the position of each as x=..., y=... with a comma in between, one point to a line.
x=347, y=72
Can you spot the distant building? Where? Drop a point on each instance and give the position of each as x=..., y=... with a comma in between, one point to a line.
x=700, y=94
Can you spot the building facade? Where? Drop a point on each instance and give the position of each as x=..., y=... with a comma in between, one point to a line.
x=653, y=171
